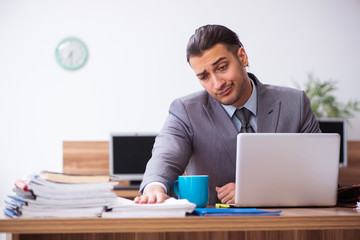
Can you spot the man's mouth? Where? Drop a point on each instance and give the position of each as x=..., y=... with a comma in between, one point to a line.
x=226, y=91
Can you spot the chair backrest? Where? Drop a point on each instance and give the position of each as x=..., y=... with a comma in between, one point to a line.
x=86, y=157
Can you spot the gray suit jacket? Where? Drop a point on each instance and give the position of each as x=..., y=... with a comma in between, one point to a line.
x=199, y=136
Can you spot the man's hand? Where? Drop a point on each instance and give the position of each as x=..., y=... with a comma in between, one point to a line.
x=153, y=194
x=226, y=193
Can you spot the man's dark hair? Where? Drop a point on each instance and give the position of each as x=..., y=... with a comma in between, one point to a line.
x=208, y=36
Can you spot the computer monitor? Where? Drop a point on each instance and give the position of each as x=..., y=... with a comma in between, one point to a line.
x=328, y=125
x=129, y=154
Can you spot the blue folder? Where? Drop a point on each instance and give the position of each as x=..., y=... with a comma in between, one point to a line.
x=233, y=212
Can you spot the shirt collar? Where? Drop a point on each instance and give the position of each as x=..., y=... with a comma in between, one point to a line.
x=250, y=103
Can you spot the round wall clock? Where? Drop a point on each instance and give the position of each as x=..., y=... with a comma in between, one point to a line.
x=71, y=53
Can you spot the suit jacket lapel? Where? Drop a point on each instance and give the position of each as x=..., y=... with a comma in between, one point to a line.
x=268, y=116
x=268, y=108
x=223, y=126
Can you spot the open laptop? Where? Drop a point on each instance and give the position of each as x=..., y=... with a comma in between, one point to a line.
x=287, y=169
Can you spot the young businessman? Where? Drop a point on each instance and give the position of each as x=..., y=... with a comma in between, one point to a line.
x=199, y=135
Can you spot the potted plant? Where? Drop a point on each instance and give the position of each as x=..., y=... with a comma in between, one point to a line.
x=330, y=113
x=324, y=102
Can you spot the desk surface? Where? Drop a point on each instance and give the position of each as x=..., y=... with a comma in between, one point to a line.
x=290, y=219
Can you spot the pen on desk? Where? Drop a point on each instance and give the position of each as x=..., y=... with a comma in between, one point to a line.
x=221, y=205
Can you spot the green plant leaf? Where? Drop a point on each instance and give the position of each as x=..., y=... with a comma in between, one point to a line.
x=323, y=101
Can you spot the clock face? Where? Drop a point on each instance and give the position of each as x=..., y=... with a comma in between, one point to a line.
x=71, y=53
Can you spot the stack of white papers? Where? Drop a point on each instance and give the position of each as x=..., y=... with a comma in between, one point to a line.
x=37, y=197
x=47, y=199
x=124, y=208
x=68, y=200
x=63, y=191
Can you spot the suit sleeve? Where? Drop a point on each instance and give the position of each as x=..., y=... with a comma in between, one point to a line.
x=309, y=122
x=172, y=148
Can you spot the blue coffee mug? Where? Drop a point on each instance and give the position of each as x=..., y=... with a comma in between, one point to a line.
x=193, y=188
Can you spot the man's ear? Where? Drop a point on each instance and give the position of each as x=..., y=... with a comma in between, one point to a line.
x=243, y=57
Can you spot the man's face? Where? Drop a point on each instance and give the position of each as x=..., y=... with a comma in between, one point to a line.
x=223, y=75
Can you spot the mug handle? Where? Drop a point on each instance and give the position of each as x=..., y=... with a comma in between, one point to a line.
x=176, y=188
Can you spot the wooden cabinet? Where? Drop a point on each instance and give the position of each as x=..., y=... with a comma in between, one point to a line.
x=93, y=157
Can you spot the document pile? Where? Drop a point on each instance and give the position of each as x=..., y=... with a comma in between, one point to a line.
x=124, y=208
x=37, y=196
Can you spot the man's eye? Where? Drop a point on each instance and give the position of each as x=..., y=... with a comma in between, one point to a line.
x=204, y=77
x=223, y=67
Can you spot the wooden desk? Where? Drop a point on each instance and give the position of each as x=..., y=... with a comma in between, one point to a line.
x=129, y=194
x=294, y=223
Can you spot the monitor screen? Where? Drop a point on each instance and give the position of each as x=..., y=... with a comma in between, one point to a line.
x=336, y=126
x=129, y=154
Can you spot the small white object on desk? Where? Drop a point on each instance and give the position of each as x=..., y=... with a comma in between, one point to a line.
x=125, y=208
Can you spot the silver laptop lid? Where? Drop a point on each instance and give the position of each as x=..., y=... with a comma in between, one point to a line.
x=287, y=169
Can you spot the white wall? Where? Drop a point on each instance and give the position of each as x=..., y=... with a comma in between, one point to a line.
x=137, y=64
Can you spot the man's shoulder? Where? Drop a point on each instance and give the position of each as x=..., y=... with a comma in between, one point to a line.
x=281, y=88
x=199, y=97
x=278, y=91
x=193, y=102
x=274, y=90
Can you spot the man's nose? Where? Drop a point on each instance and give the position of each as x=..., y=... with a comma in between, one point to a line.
x=218, y=82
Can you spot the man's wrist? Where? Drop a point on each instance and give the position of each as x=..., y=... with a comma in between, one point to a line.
x=155, y=184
